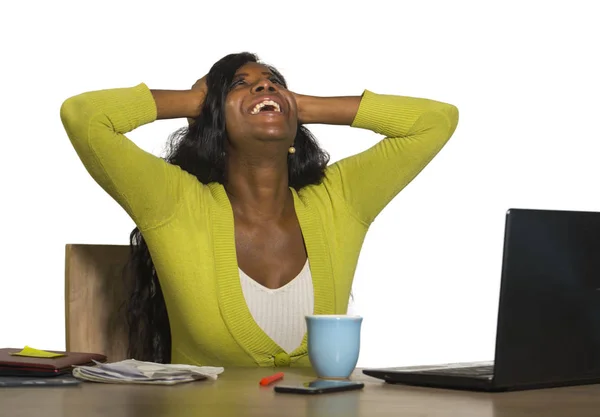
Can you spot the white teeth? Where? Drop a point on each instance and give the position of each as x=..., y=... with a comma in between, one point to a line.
x=259, y=106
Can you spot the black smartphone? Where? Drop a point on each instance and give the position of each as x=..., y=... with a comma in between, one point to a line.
x=319, y=386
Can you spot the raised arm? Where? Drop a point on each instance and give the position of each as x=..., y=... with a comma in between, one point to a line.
x=415, y=130
x=145, y=185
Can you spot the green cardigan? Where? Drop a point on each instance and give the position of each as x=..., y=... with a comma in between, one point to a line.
x=188, y=226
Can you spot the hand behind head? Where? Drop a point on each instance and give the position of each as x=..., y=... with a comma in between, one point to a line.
x=200, y=87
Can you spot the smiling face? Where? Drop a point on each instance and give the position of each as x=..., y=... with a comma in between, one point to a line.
x=259, y=108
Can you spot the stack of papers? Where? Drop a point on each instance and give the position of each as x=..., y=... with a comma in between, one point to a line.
x=131, y=371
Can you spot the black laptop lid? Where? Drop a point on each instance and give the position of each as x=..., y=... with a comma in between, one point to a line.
x=549, y=315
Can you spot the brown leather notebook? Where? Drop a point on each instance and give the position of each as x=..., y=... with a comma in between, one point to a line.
x=27, y=366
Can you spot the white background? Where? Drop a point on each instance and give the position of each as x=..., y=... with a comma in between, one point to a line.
x=523, y=74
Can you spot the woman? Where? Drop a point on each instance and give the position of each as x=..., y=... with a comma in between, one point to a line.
x=244, y=224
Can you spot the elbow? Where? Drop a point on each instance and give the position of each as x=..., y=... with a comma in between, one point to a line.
x=69, y=111
x=451, y=115
x=75, y=115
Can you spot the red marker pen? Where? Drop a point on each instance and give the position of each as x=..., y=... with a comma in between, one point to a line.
x=270, y=379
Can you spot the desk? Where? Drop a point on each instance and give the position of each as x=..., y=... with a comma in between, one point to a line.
x=237, y=393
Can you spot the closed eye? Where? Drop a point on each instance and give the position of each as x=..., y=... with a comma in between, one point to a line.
x=276, y=81
x=237, y=82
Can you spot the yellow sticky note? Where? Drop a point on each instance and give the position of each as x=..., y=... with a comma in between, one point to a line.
x=36, y=353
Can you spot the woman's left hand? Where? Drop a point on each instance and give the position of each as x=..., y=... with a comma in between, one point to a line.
x=298, y=98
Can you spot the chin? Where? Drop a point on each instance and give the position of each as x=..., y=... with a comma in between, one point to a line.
x=274, y=135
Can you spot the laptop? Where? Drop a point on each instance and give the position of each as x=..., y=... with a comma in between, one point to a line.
x=548, y=324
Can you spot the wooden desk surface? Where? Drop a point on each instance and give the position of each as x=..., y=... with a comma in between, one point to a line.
x=237, y=393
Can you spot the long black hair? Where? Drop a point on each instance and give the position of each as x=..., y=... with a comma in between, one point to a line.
x=199, y=149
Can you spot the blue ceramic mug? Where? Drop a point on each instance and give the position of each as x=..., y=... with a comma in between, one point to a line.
x=333, y=344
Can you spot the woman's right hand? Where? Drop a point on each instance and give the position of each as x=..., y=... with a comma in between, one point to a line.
x=175, y=104
x=200, y=89
x=200, y=86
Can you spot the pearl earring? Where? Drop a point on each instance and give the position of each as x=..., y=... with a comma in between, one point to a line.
x=292, y=149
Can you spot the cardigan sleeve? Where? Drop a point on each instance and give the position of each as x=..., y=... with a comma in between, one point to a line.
x=146, y=186
x=415, y=130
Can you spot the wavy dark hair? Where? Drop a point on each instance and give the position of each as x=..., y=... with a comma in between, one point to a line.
x=200, y=149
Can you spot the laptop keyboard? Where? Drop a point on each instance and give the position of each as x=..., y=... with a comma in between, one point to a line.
x=481, y=371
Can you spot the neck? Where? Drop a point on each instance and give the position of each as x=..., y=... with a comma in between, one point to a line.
x=258, y=186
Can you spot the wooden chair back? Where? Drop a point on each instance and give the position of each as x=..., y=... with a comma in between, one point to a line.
x=95, y=294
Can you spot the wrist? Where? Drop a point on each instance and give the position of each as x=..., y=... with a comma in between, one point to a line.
x=327, y=110
x=174, y=104
x=196, y=100
x=305, y=106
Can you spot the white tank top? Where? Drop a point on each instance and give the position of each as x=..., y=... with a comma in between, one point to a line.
x=280, y=312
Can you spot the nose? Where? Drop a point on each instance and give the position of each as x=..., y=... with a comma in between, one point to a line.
x=264, y=85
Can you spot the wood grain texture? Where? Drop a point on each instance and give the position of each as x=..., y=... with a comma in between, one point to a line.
x=95, y=292
x=237, y=393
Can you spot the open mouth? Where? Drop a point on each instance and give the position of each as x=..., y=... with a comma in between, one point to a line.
x=266, y=106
